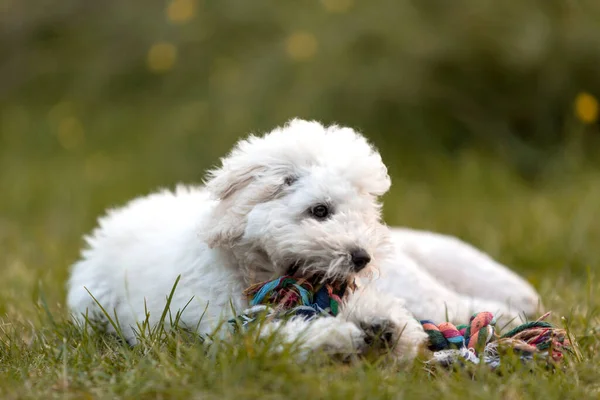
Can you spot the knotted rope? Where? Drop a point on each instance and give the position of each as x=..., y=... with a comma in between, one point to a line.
x=479, y=341
x=475, y=342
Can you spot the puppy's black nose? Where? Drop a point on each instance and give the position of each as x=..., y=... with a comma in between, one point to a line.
x=360, y=259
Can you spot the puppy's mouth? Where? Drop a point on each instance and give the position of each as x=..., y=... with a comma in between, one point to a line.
x=316, y=279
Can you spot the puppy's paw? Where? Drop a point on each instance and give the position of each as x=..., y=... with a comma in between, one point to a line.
x=412, y=338
x=403, y=337
x=379, y=333
x=387, y=325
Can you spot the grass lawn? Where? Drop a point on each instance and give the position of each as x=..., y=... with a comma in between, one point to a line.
x=549, y=231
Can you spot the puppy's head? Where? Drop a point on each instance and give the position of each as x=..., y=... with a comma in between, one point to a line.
x=302, y=200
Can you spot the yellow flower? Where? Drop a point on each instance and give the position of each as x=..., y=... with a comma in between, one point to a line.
x=162, y=57
x=586, y=108
x=301, y=46
x=181, y=11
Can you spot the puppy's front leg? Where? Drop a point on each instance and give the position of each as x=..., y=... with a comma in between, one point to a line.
x=385, y=321
x=326, y=334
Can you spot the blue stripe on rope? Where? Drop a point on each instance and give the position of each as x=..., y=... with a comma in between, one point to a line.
x=258, y=298
x=458, y=340
x=306, y=296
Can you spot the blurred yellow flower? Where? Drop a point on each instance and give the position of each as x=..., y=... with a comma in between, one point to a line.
x=586, y=108
x=162, y=57
x=181, y=11
x=70, y=133
x=337, y=6
x=301, y=45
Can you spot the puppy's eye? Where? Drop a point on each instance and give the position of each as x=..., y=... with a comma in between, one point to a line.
x=289, y=180
x=320, y=211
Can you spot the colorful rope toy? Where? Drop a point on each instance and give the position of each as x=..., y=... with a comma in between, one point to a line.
x=478, y=341
x=288, y=296
x=473, y=343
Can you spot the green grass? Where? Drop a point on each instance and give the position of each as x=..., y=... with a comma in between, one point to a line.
x=547, y=230
x=85, y=125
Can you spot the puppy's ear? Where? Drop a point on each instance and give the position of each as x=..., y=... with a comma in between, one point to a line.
x=228, y=219
x=225, y=182
x=242, y=182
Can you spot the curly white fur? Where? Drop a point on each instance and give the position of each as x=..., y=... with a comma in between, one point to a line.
x=443, y=277
x=251, y=222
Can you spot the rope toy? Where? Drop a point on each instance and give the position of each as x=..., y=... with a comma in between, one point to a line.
x=288, y=296
x=478, y=341
x=472, y=343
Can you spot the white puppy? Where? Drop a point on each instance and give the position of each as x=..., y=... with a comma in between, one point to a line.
x=302, y=199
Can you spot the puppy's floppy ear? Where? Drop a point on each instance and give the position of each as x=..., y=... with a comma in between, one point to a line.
x=228, y=219
x=237, y=170
x=242, y=182
x=224, y=183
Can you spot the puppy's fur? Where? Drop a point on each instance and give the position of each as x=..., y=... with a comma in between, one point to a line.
x=442, y=277
x=256, y=218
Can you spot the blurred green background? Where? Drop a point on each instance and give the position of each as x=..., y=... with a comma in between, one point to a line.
x=485, y=112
